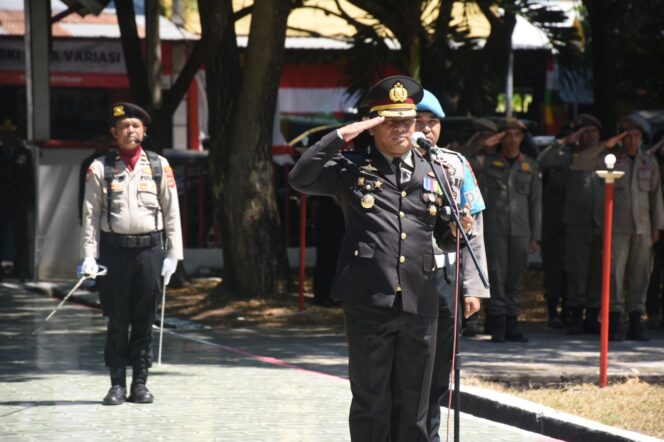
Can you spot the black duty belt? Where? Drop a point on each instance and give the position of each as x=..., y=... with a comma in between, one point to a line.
x=132, y=241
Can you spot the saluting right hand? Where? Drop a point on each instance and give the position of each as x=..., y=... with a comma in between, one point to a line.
x=352, y=130
x=574, y=136
x=611, y=142
x=494, y=139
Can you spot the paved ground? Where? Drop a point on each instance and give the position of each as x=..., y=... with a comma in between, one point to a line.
x=239, y=385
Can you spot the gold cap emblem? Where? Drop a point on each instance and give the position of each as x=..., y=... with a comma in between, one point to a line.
x=118, y=111
x=398, y=93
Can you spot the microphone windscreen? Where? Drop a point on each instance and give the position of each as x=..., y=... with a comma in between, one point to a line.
x=416, y=136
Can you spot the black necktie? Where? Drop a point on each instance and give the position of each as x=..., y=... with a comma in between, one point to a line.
x=397, y=170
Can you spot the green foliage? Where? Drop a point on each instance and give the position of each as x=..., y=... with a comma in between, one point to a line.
x=466, y=73
x=639, y=53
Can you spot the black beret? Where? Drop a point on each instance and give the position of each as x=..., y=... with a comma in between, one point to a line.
x=395, y=96
x=120, y=111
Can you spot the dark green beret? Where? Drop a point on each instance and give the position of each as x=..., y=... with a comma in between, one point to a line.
x=585, y=120
x=484, y=124
x=511, y=123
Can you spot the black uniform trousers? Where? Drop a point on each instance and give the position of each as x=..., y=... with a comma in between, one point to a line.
x=390, y=361
x=16, y=220
x=129, y=294
x=442, y=367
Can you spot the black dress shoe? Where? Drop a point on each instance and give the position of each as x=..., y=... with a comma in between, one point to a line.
x=140, y=394
x=115, y=396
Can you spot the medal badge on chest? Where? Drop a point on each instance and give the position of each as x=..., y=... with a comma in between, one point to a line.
x=368, y=185
x=367, y=201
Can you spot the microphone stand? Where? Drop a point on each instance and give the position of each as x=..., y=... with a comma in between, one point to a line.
x=454, y=210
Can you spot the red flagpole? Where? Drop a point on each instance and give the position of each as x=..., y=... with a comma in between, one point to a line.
x=606, y=283
x=609, y=177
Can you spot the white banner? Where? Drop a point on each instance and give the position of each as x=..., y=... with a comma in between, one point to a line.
x=80, y=56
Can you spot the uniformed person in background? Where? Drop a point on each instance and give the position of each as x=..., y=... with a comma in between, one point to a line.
x=386, y=272
x=554, y=166
x=655, y=298
x=130, y=213
x=17, y=196
x=464, y=189
x=512, y=189
x=484, y=141
x=638, y=218
x=582, y=218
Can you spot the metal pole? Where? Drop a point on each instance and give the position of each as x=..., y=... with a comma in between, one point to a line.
x=161, y=325
x=303, y=248
x=609, y=177
x=37, y=31
x=606, y=283
x=509, y=86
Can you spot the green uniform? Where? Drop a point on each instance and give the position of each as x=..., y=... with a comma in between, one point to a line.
x=512, y=193
x=582, y=221
x=637, y=211
x=554, y=173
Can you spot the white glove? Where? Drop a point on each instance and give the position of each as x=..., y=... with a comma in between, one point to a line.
x=168, y=268
x=88, y=267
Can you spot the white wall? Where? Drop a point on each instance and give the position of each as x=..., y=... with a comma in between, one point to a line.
x=58, y=231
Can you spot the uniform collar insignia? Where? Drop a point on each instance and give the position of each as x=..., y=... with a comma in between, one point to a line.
x=368, y=168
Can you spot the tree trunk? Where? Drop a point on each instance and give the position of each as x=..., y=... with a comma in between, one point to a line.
x=141, y=92
x=131, y=48
x=601, y=15
x=254, y=251
x=241, y=117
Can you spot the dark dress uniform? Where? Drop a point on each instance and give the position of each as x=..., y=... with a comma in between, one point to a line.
x=329, y=231
x=385, y=279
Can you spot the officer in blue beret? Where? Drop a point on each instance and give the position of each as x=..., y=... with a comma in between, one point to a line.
x=466, y=192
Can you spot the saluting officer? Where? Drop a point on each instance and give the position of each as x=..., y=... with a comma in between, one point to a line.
x=467, y=194
x=385, y=274
x=512, y=190
x=130, y=213
x=554, y=166
x=637, y=220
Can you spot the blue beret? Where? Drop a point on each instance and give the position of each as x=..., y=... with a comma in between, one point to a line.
x=430, y=103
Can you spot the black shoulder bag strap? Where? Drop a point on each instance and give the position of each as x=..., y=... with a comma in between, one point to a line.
x=109, y=162
x=157, y=174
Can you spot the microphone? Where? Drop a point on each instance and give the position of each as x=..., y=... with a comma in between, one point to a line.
x=419, y=139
